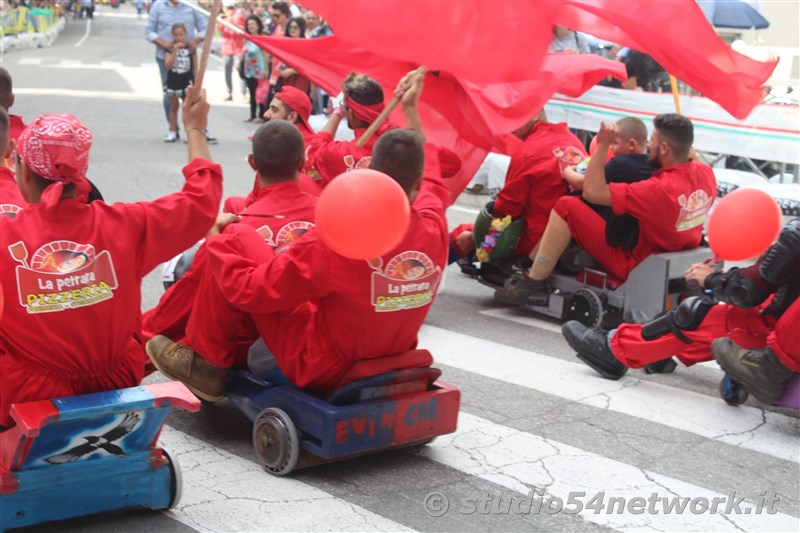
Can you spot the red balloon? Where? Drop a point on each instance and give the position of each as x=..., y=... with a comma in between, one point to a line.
x=743, y=224
x=593, y=149
x=363, y=214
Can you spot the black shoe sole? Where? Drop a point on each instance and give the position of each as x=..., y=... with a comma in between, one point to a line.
x=600, y=370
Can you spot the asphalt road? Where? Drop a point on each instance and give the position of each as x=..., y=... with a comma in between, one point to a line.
x=532, y=416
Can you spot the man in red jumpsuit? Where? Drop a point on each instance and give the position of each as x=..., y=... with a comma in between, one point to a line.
x=279, y=211
x=535, y=180
x=319, y=312
x=671, y=207
x=292, y=105
x=748, y=318
x=11, y=201
x=764, y=371
x=72, y=271
x=363, y=102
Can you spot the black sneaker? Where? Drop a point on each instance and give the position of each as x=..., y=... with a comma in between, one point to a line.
x=758, y=371
x=592, y=347
x=665, y=366
x=520, y=289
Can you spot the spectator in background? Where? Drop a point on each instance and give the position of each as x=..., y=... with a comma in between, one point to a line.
x=232, y=42
x=253, y=66
x=315, y=26
x=284, y=75
x=567, y=40
x=163, y=15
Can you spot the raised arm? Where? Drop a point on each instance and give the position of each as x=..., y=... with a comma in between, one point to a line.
x=595, y=188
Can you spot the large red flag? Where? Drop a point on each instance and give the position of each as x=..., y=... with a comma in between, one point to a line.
x=677, y=35
x=479, y=40
x=467, y=117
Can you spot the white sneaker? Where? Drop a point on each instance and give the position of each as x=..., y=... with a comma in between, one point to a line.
x=184, y=138
x=171, y=137
x=210, y=139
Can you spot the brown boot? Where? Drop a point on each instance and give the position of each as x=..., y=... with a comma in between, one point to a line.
x=180, y=363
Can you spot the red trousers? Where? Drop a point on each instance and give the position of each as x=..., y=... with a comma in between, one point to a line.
x=24, y=381
x=589, y=230
x=212, y=332
x=784, y=340
x=746, y=327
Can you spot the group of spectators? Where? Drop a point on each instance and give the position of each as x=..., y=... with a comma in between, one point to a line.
x=260, y=76
x=644, y=72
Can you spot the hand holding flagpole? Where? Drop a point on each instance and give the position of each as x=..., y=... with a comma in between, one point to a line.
x=384, y=114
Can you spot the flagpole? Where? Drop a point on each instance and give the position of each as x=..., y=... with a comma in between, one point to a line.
x=216, y=8
x=220, y=22
x=673, y=83
x=367, y=135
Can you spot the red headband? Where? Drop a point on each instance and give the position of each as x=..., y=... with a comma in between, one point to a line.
x=56, y=147
x=367, y=113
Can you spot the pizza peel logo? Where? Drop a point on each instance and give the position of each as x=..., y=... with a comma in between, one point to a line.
x=62, y=275
x=409, y=280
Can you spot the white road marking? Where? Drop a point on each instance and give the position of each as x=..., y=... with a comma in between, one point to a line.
x=70, y=63
x=462, y=209
x=30, y=61
x=514, y=314
x=521, y=461
x=111, y=64
x=747, y=427
x=223, y=492
x=86, y=34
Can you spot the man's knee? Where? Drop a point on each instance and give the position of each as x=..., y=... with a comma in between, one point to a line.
x=686, y=317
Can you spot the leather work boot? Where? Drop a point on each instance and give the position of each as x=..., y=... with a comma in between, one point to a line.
x=520, y=289
x=180, y=363
x=592, y=347
x=759, y=371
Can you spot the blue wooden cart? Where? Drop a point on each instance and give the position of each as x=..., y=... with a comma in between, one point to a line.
x=82, y=455
x=294, y=429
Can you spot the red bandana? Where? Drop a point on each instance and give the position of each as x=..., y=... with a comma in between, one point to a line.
x=367, y=113
x=56, y=147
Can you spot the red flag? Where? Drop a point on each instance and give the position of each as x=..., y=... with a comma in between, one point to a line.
x=473, y=39
x=467, y=117
x=677, y=35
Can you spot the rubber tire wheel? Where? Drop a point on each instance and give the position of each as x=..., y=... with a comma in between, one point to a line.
x=586, y=307
x=176, y=478
x=732, y=392
x=276, y=441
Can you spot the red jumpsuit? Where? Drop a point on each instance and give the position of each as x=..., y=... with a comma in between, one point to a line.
x=16, y=126
x=236, y=204
x=671, y=207
x=169, y=317
x=71, y=276
x=784, y=340
x=319, y=312
x=11, y=201
x=535, y=182
x=327, y=158
x=757, y=320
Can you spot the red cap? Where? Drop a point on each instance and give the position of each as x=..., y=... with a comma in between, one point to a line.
x=298, y=101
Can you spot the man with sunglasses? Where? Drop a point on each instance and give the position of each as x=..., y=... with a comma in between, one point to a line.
x=671, y=208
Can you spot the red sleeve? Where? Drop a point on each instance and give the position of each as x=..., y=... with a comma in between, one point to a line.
x=326, y=156
x=256, y=280
x=434, y=195
x=173, y=223
x=638, y=199
x=513, y=197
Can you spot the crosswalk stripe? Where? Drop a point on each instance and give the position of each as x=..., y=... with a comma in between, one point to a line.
x=515, y=314
x=223, y=492
x=748, y=427
x=522, y=461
